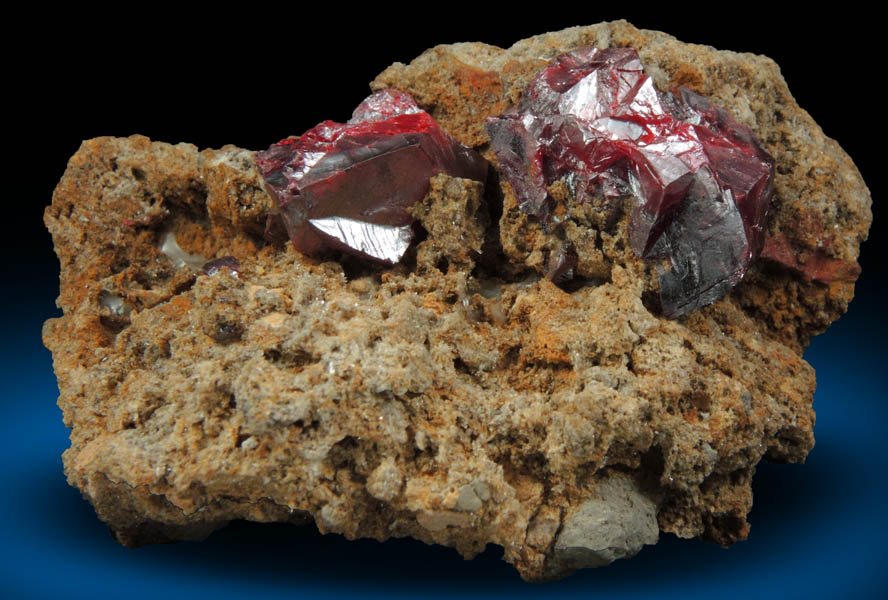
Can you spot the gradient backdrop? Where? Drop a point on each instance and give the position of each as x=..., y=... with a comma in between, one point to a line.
x=818, y=529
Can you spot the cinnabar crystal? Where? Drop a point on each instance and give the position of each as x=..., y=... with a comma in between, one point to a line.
x=701, y=182
x=347, y=187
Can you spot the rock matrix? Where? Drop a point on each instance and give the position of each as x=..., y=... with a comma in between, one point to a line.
x=461, y=396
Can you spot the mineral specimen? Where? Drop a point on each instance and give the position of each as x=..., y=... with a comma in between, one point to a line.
x=347, y=186
x=462, y=398
x=702, y=181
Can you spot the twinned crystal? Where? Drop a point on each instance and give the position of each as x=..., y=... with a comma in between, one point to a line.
x=701, y=182
x=347, y=186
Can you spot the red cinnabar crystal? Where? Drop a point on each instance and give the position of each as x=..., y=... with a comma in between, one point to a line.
x=347, y=186
x=701, y=181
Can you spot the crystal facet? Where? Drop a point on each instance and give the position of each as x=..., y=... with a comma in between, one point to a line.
x=701, y=181
x=347, y=186
x=229, y=263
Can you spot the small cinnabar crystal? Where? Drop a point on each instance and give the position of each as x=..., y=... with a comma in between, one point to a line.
x=347, y=187
x=702, y=182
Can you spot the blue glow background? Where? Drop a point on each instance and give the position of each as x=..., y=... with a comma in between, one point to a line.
x=817, y=529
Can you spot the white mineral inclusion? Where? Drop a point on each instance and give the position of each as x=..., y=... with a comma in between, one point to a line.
x=180, y=258
x=113, y=303
x=383, y=242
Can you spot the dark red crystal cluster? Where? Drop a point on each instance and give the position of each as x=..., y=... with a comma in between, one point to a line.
x=346, y=187
x=701, y=182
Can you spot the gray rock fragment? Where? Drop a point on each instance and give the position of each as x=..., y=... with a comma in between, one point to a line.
x=473, y=496
x=614, y=525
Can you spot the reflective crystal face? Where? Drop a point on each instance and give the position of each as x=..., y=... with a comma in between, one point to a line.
x=701, y=182
x=347, y=186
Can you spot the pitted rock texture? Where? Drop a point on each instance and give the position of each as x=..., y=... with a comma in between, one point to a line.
x=457, y=397
x=821, y=211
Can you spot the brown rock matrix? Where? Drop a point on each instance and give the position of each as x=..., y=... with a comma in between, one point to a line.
x=458, y=397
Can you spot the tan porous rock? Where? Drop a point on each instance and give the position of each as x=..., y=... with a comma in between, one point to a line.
x=458, y=397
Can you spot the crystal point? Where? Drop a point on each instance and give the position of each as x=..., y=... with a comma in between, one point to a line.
x=347, y=187
x=701, y=182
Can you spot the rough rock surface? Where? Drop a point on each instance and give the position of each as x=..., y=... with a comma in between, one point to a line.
x=458, y=397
